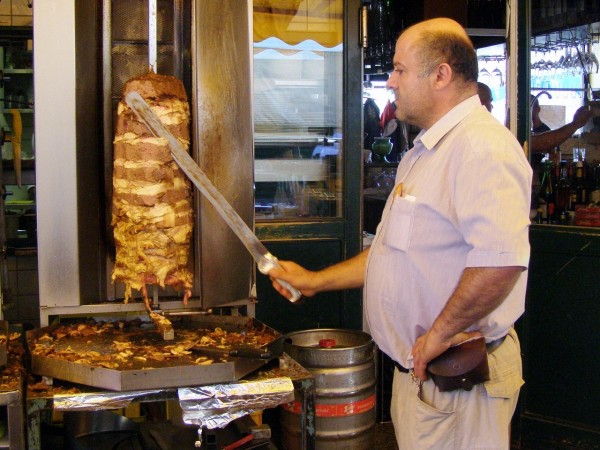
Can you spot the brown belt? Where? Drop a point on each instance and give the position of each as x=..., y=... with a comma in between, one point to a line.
x=490, y=349
x=400, y=368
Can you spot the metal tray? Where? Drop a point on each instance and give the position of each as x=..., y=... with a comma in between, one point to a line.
x=150, y=374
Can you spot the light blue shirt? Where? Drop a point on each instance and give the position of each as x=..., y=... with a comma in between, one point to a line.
x=466, y=187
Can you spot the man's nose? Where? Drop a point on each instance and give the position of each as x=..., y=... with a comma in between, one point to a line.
x=389, y=84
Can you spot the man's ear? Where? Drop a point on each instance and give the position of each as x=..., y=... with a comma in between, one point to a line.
x=443, y=75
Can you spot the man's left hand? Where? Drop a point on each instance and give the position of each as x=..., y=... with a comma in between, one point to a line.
x=430, y=345
x=582, y=115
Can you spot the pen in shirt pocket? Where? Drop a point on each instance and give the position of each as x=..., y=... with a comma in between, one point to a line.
x=398, y=191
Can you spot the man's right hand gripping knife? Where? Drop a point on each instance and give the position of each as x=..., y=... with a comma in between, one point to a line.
x=268, y=262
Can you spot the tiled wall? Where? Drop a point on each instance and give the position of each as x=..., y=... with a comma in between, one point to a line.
x=22, y=298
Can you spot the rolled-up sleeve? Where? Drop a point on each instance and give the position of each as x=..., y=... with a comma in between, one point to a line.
x=493, y=206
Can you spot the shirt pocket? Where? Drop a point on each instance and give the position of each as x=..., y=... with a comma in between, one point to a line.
x=400, y=222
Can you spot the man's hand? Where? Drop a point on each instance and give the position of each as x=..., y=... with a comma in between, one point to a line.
x=582, y=115
x=479, y=291
x=296, y=275
x=547, y=140
x=430, y=345
x=348, y=274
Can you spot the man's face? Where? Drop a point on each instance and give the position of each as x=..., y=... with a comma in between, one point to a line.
x=535, y=112
x=410, y=90
x=535, y=109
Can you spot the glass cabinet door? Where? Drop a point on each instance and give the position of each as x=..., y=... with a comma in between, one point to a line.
x=298, y=93
x=307, y=107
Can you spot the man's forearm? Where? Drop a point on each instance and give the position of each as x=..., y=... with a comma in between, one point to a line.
x=347, y=274
x=546, y=141
x=479, y=292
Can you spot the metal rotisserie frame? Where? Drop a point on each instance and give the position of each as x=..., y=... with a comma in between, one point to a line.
x=75, y=249
x=156, y=374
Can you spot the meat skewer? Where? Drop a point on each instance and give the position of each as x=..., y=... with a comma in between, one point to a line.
x=152, y=214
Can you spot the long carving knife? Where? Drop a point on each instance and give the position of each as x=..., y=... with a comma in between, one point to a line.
x=264, y=259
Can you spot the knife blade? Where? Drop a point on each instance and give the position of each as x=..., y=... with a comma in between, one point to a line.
x=264, y=259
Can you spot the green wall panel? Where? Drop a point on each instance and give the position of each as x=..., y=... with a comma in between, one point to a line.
x=560, y=328
x=324, y=310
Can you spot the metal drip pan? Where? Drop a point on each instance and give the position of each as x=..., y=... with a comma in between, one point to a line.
x=124, y=356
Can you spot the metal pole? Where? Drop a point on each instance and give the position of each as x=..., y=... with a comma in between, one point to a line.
x=152, y=17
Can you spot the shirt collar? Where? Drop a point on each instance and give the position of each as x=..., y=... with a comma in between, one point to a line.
x=430, y=137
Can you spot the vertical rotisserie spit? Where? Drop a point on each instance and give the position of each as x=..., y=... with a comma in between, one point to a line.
x=152, y=214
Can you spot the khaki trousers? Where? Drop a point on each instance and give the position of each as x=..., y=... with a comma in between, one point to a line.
x=460, y=420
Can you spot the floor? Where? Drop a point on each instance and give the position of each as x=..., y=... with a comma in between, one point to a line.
x=385, y=440
x=384, y=437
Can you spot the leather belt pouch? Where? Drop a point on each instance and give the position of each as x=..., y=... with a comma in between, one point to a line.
x=461, y=366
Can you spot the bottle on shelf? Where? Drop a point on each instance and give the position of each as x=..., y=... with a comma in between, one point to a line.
x=20, y=100
x=547, y=196
x=563, y=191
x=572, y=181
x=8, y=100
x=594, y=196
x=578, y=190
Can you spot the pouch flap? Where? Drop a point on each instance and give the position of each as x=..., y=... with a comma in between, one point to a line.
x=459, y=359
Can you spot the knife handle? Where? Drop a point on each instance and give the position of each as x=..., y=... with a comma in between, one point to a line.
x=268, y=262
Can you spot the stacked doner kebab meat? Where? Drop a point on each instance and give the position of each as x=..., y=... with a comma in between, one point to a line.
x=152, y=214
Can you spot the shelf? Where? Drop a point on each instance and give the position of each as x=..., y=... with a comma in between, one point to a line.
x=299, y=170
x=19, y=204
x=22, y=111
x=387, y=165
x=26, y=164
x=19, y=71
x=533, y=88
x=560, y=22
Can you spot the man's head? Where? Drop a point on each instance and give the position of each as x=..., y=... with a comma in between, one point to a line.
x=435, y=68
x=535, y=105
x=485, y=95
x=535, y=111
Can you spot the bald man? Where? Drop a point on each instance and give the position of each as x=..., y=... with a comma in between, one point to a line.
x=449, y=260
